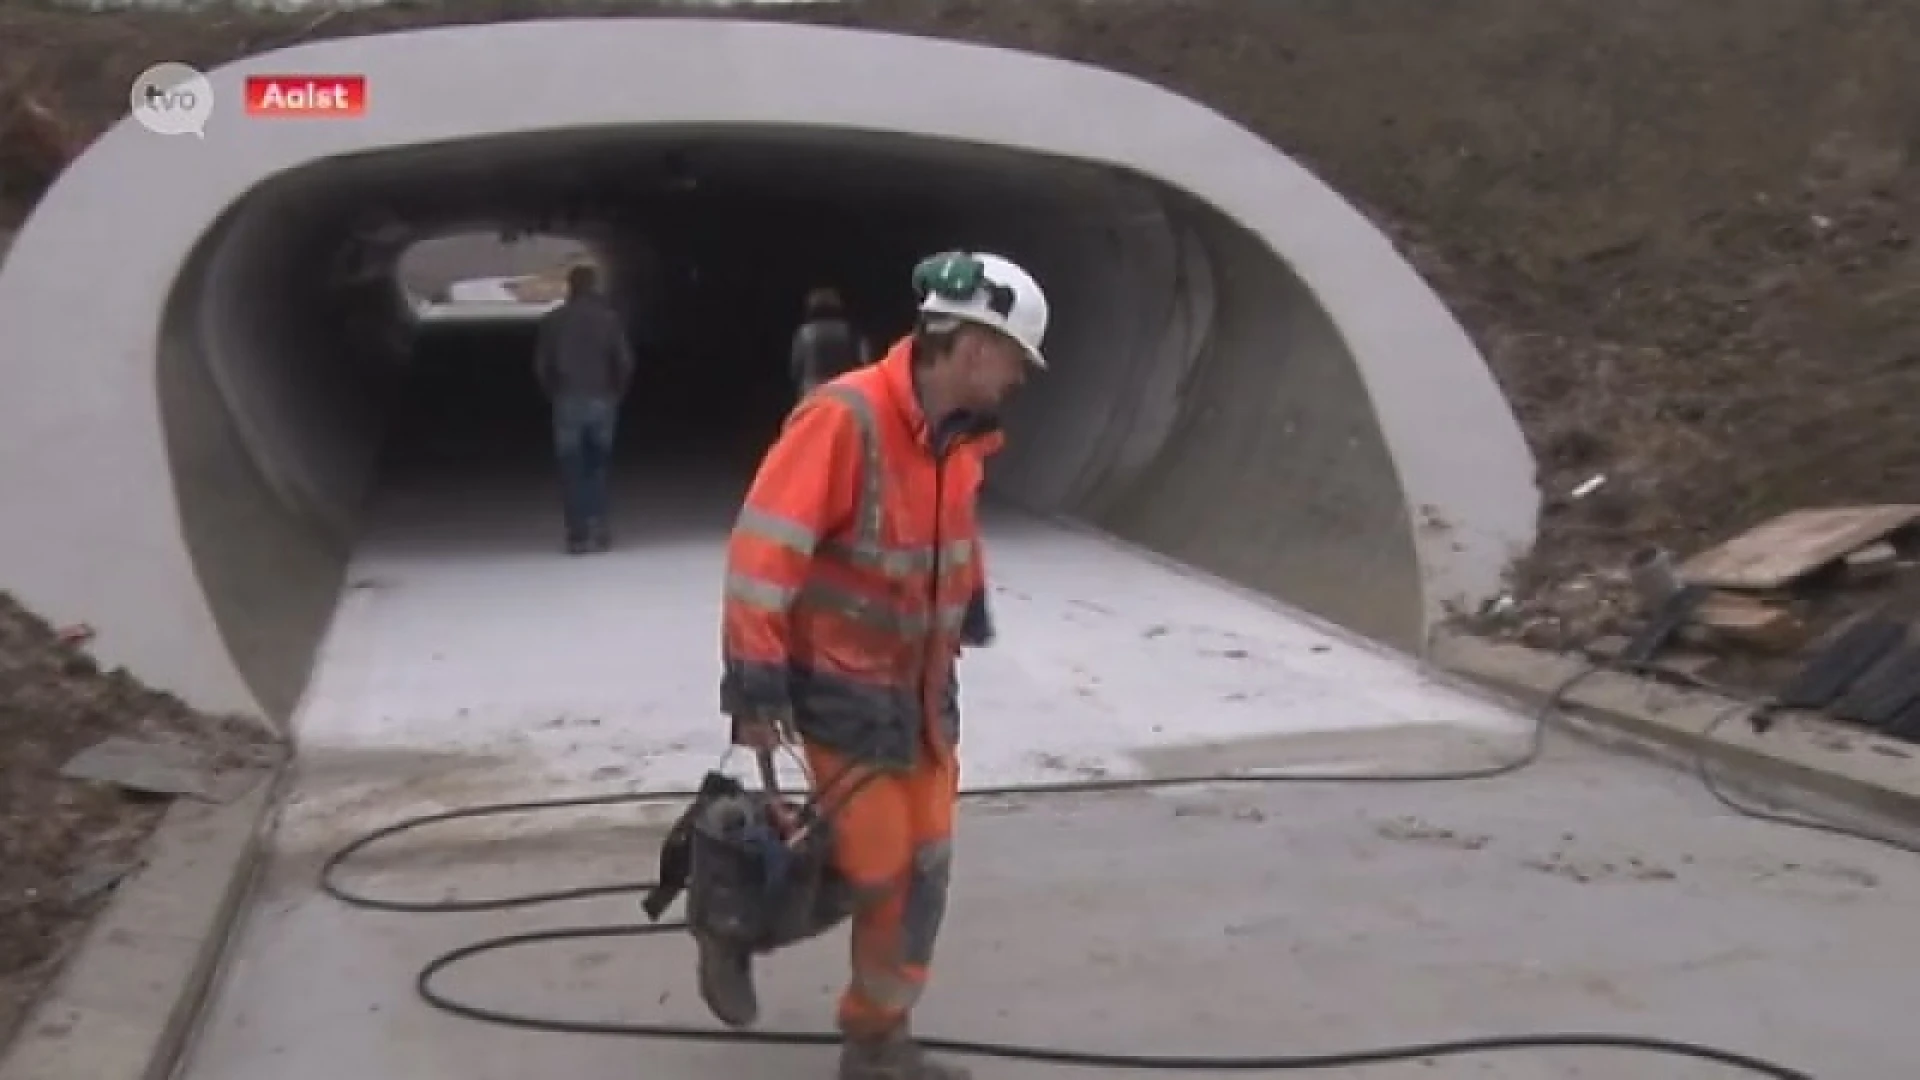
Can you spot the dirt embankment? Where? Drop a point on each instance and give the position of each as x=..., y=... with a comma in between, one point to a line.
x=63, y=842
x=1681, y=231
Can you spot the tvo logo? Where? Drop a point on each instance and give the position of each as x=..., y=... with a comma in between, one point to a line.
x=172, y=99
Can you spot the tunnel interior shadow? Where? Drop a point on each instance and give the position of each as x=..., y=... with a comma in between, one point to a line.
x=710, y=319
x=709, y=245
x=469, y=464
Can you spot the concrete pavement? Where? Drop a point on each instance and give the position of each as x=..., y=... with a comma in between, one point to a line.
x=1594, y=892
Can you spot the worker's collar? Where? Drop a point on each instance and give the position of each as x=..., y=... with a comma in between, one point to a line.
x=896, y=367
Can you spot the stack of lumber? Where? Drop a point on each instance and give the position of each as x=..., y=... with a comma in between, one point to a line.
x=1752, y=575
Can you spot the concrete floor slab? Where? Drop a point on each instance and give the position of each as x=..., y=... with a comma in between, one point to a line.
x=472, y=664
x=469, y=661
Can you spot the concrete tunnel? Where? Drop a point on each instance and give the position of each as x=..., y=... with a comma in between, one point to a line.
x=209, y=371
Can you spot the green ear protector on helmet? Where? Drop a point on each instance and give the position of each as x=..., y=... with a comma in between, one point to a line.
x=950, y=275
x=959, y=277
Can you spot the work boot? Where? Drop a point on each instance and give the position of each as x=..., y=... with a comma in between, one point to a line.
x=599, y=536
x=894, y=1057
x=726, y=982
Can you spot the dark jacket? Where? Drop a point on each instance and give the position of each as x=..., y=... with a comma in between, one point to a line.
x=824, y=348
x=583, y=351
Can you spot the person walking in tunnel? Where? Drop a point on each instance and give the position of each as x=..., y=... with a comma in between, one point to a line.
x=826, y=345
x=584, y=362
x=854, y=577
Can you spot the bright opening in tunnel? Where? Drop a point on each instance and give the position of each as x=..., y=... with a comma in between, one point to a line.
x=1244, y=377
x=491, y=268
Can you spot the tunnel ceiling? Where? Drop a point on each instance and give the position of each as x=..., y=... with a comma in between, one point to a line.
x=530, y=179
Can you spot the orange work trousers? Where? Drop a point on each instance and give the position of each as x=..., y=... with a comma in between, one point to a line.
x=893, y=841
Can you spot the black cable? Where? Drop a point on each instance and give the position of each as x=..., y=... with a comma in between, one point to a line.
x=1049, y=1055
x=1759, y=711
x=1703, y=769
x=424, y=983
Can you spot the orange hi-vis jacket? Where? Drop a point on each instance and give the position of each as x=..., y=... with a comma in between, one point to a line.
x=851, y=567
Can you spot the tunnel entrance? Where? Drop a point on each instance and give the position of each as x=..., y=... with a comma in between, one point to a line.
x=1246, y=377
x=299, y=318
x=708, y=240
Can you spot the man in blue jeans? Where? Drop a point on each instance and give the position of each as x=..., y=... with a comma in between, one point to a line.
x=584, y=362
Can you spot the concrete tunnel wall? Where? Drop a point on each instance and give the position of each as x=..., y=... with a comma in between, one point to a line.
x=311, y=419
x=1316, y=426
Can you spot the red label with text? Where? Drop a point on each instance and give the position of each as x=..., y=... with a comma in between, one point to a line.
x=306, y=95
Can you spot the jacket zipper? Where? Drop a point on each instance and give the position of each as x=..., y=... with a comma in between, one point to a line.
x=940, y=447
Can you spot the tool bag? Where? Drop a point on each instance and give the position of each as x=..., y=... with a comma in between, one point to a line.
x=757, y=868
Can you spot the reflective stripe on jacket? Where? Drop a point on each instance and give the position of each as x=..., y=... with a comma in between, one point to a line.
x=851, y=567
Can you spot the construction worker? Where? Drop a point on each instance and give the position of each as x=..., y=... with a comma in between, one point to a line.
x=854, y=577
x=826, y=345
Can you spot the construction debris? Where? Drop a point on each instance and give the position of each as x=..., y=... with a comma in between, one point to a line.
x=1814, y=608
x=1810, y=605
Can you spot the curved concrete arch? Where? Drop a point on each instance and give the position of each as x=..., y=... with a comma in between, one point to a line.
x=91, y=475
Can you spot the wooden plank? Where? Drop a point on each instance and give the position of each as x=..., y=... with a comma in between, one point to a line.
x=1778, y=551
x=1872, y=562
x=1742, y=619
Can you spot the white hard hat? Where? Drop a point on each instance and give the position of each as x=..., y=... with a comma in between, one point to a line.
x=986, y=289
